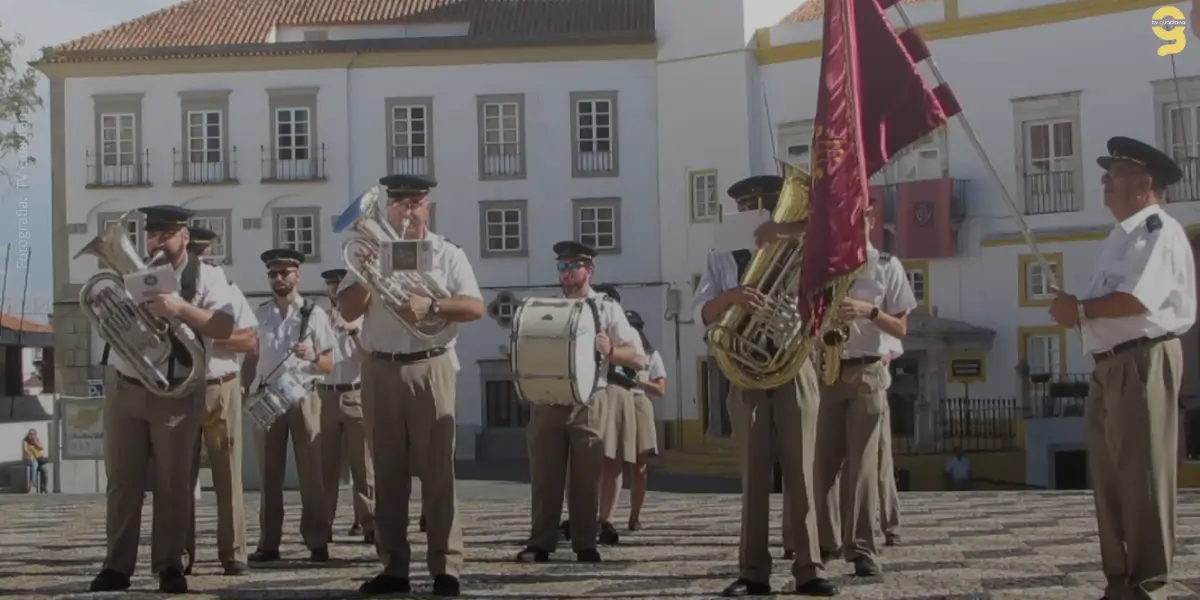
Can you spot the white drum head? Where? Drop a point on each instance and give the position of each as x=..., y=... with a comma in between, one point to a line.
x=584, y=371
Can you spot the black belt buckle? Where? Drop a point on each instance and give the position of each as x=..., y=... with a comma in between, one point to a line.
x=861, y=360
x=409, y=357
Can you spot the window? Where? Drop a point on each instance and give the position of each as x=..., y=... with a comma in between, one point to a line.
x=295, y=154
x=922, y=161
x=504, y=408
x=502, y=137
x=1041, y=348
x=795, y=143
x=118, y=149
x=1049, y=162
x=502, y=230
x=1034, y=285
x=296, y=228
x=595, y=133
x=204, y=145
x=217, y=221
x=597, y=224
x=917, y=272
x=1177, y=102
x=137, y=237
x=410, y=147
x=292, y=135
x=703, y=194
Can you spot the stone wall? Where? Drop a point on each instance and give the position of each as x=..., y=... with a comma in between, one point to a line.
x=72, y=344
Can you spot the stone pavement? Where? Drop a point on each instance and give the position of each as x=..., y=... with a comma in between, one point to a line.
x=957, y=546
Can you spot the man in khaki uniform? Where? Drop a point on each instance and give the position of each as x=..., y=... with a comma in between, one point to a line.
x=780, y=423
x=221, y=427
x=1142, y=297
x=409, y=385
x=566, y=441
x=295, y=343
x=343, y=432
x=854, y=409
x=140, y=423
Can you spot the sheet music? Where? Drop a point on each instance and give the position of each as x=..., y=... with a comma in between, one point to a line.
x=152, y=281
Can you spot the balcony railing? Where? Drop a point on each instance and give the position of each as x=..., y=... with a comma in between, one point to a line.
x=499, y=165
x=1058, y=395
x=205, y=166
x=1050, y=192
x=118, y=170
x=411, y=165
x=595, y=163
x=293, y=164
x=891, y=201
x=1187, y=190
x=967, y=424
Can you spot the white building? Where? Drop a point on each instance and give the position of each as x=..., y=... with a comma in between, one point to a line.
x=269, y=129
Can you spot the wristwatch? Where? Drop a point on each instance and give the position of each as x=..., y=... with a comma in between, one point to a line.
x=874, y=313
x=435, y=307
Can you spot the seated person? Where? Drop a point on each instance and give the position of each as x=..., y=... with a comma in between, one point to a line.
x=33, y=453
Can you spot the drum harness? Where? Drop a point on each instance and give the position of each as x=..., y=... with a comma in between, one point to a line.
x=305, y=314
x=617, y=375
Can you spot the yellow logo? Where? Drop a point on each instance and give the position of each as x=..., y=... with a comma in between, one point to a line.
x=1169, y=25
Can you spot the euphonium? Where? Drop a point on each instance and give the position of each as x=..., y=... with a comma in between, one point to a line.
x=767, y=348
x=366, y=218
x=142, y=340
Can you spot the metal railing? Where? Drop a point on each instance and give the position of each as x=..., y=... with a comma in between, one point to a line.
x=1050, y=192
x=118, y=170
x=1188, y=189
x=201, y=167
x=293, y=164
x=890, y=195
x=1057, y=395
x=502, y=407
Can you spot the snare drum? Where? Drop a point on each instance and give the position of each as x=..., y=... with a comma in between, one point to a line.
x=265, y=406
x=553, y=351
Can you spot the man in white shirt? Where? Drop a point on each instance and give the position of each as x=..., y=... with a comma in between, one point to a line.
x=343, y=430
x=409, y=390
x=1142, y=297
x=295, y=333
x=958, y=471
x=221, y=426
x=140, y=423
x=566, y=441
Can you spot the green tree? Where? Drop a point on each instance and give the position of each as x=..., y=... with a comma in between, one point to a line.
x=19, y=99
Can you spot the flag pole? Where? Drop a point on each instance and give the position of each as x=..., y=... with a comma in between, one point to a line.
x=4, y=285
x=1050, y=275
x=24, y=294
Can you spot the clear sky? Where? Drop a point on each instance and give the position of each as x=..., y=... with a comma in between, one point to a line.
x=43, y=23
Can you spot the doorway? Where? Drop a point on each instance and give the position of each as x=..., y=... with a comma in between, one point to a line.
x=1070, y=470
x=904, y=393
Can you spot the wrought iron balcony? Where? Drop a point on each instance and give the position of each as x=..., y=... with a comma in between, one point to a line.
x=286, y=165
x=1050, y=192
x=891, y=201
x=1058, y=395
x=205, y=167
x=131, y=169
x=1187, y=190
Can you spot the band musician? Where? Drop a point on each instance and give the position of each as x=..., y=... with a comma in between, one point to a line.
x=409, y=390
x=221, y=425
x=343, y=431
x=784, y=417
x=295, y=340
x=565, y=442
x=138, y=424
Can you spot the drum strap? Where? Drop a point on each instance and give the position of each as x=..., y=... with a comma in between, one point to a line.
x=615, y=375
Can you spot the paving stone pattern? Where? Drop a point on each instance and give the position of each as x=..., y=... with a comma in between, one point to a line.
x=957, y=546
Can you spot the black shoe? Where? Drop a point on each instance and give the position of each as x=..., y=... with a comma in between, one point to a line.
x=565, y=529
x=891, y=539
x=636, y=525
x=236, y=567
x=743, y=587
x=818, y=587
x=385, y=585
x=355, y=531
x=828, y=556
x=865, y=566
x=446, y=586
x=109, y=580
x=369, y=537
x=319, y=555
x=608, y=534
x=591, y=555
x=262, y=556
x=789, y=555
x=172, y=581
x=421, y=525
x=533, y=555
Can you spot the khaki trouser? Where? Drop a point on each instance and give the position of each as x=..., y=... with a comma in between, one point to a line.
x=343, y=433
x=851, y=418
x=889, y=496
x=221, y=428
x=138, y=425
x=784, y=418
x=412, y=423
x=303, y=424
x=562, y=439
x=1133, y=438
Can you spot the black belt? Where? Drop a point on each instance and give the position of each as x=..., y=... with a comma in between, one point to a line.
x=861, y=360
x=1130, y=345
x=226, y=378
x=408, y=357
x=339, y=387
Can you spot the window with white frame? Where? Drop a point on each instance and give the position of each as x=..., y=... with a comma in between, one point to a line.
x=705, y=201
x=1043, y=353
x=503, y=229
x=293, y=142
x=297, y=231
x=916, y=281
x=205, y=145
x=595, y=150
x=410, y=139
x=501, y=132
x=597, y=225
x=118, y=148
x=923, y=160
x=219, y=249
x=1036, y=281
x=1050, y=166
x=795, y=144
x=133, y=226
x=1183, y=143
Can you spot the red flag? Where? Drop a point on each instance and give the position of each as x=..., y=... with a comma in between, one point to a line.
x=872, y=103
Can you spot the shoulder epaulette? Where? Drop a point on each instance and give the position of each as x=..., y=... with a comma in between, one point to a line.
x=885, y=256
x=264, y=303
x=1153, y=223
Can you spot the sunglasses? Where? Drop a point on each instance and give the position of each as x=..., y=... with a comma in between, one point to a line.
x=279, y=273
x=566, y=267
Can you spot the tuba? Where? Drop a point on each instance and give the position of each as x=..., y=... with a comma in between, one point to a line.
x=146, y=343
x=365, y=217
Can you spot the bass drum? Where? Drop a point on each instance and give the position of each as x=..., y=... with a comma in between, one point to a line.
x=553, y=351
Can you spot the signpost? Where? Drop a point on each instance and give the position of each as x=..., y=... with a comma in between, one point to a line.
x=967, y=368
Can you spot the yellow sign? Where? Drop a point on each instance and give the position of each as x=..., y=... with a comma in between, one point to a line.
x=1169, y=25
x=83, y=429
x=968, y=367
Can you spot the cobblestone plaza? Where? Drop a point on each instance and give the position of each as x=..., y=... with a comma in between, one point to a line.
x=956, y=546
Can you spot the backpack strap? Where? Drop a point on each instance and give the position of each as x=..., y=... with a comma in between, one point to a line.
x=742, y=258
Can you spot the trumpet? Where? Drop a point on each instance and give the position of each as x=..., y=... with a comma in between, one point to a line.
x=146, y=343
x=368, y=257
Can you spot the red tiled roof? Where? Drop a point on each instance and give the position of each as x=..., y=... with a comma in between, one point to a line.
x=16, y=323
x=813, y=10
x=198, y=23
